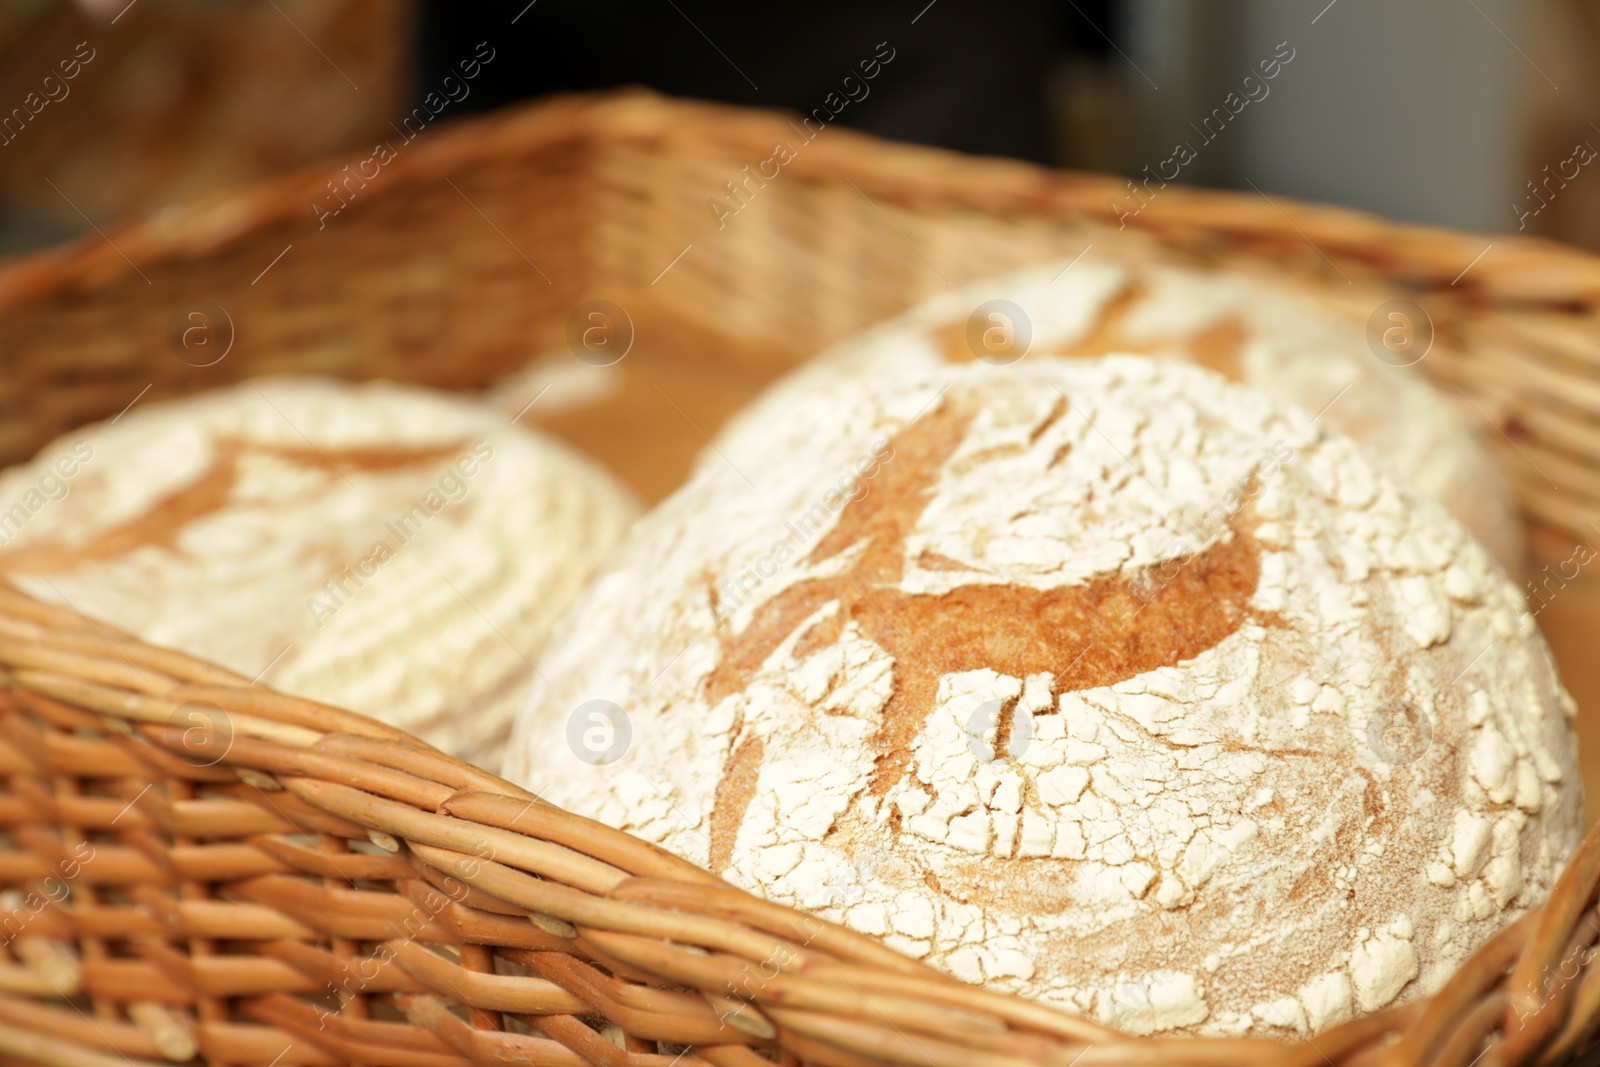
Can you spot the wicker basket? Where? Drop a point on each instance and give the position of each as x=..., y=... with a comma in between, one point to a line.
x=202, y=867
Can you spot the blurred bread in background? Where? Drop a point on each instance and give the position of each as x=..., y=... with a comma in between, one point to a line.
x=1268, y=333
x=386, y=549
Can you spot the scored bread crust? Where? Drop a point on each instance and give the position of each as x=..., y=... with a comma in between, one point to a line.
x=382, y=548
x=1105, y=682
x=1271, y=333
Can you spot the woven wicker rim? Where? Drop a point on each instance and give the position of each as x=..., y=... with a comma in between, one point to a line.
x=1522, y=268
x=599, y=900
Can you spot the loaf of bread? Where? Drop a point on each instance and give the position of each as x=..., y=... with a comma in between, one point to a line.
x=1106, y=682
x=386, y=549
x=1266, y=332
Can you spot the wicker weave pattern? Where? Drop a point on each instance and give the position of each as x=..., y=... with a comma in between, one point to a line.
x=195, y=851
x=197, y=866
x=479, y=240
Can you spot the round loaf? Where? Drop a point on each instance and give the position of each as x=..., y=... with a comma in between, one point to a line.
x=1104, y=682
x=1262, y=331
x=386, y=549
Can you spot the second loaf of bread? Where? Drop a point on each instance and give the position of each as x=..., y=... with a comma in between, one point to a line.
x=386, y=549
x=1266, y=332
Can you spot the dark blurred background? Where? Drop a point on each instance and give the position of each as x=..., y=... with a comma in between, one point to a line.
x=1468, y=113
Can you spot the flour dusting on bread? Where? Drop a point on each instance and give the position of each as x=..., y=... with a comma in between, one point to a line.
x=1101, y=681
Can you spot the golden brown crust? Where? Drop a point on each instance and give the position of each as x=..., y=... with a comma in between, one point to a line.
x=734, y=793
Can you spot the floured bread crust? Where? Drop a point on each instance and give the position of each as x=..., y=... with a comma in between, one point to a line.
x=386, y=549
x=1265, y=332
x=1105, y=682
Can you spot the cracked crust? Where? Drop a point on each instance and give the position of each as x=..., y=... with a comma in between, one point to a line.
x=1085, y=682
x=1084, y=636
